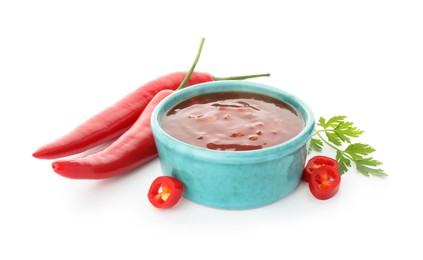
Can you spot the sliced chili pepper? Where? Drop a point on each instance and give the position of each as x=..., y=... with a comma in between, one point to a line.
x=315, y=163
x=165, y=192
x=324, y=182
x=116, y=119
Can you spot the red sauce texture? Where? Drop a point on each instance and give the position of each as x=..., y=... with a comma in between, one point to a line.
x=233, y=121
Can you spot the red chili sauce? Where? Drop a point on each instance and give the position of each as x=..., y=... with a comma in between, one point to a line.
x=232, y=121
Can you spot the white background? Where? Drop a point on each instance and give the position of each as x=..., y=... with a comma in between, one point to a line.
x=62, y=62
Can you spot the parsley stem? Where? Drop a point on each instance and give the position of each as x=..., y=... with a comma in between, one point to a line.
x=326, y=142
x=331, y=145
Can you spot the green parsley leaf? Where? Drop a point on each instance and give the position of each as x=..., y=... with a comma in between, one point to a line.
x=344, y=162
x=346, y=130
x=358, y=150
x=334, y=138
x=366, y=170
x=316, y=144
x=322, y=122
x=334, y=121
x=370, y=162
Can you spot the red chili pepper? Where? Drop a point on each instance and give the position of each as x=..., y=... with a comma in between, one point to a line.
x=116, y=119
x=315, y=163
x=324, y=182
x=165, y=192
x=132, y=149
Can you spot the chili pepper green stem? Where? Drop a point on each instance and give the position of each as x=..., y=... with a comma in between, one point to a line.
x=242, y=77
x=197, y=57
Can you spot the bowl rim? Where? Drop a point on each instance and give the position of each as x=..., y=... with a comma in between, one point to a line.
x=278, y=150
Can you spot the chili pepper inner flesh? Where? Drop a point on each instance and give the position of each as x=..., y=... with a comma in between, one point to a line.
x=163, y=193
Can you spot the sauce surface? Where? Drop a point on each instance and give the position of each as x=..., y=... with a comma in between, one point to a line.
x=232, y=121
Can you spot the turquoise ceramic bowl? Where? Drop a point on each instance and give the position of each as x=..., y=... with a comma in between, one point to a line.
x=233, y=179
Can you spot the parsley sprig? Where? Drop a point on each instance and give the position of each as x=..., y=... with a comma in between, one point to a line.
x=337, y=133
